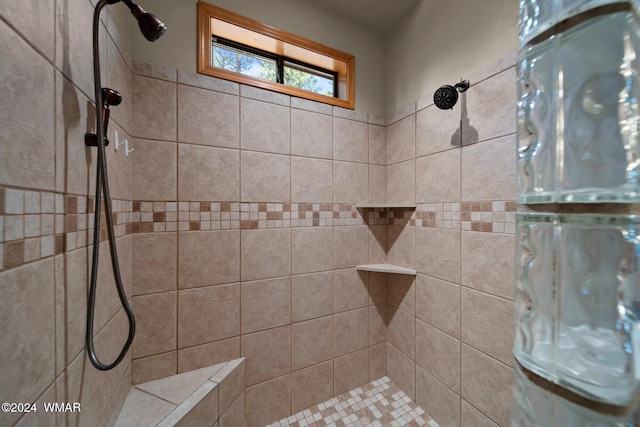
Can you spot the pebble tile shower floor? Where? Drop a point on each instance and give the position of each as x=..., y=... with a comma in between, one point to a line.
x=379, y=403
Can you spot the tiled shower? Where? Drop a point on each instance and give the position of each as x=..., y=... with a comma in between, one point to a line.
x=239, y=229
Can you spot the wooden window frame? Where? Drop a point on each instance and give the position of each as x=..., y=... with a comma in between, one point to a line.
x=215, y=21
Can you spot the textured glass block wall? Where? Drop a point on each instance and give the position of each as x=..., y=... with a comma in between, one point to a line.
x=578, y=104
x=577, y=287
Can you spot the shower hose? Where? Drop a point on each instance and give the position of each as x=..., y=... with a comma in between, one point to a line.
x=102, y=184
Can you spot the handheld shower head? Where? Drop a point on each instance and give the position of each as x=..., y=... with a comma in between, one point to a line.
x=445, y=97
x=150, y=26
x=110, y=97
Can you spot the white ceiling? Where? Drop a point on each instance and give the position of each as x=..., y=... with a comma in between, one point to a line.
x=379, y=15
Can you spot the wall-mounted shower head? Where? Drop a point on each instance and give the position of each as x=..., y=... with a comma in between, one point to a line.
x=150, y=26
x=445, y=97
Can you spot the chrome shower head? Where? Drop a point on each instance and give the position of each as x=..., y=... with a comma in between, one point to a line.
x=150, y=26
x=445, y=97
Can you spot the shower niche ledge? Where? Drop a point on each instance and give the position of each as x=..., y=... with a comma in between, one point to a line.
x=386, y=268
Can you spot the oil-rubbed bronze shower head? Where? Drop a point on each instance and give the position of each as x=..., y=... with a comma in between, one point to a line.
x=150, y=26
x=446, y=96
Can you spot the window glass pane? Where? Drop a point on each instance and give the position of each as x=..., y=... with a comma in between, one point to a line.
x=231, y=59
x=308, y=79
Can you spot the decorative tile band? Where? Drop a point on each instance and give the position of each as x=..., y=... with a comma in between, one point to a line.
x=491, y=216
x=39, y=224
x=151, y=216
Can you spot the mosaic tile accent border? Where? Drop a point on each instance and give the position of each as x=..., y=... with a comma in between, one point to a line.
x=379, y=403
x=151, y=217
x=39, y=224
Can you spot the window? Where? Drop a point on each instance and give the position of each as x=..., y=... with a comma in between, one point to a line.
x=240, y=49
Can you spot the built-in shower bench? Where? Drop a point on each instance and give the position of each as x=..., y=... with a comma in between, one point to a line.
x=198, y=398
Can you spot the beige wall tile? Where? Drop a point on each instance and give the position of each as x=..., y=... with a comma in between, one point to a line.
x=83, y=383
x=350, y=182
x=28, y=351
x=377, y=288
x=268, y=402
x=311, y=386
x=208, y=354
x=438, y=303
x=154, y=167
x=401, y=182
x=402, y=331
x=438, y=177
x=265, y=177
x=311, y=296
x=437, y=130
x=264, y=127
x=119, y=77
x=401, y=292
x=438, y=253
x=489, y=170
x=77, y=276
x=155, y=323
x=311, y=180
x=208, y=258
x=313, y=106
x=378, y=315
x=265, y=253
x=401, y=245
x=35, y=21
x=119, y=171
x=311, y=249
x=439, y=354
x=208, y=314
x=207, y=173
x=377, y=145
x=401, y=140
x=72, y=34
x=350, y=246
x=311, y=134
x=311, y=342
x=377, y=244
x=268, y=354
x=491, y=109
x=351, y=331
x=265, y=95
x=154, y=367
x=206, y=117
x=378, y=361
x=401, y=370
x=487, y=324
x=377, y=184
x=487, y=385
x=234, y=416
x=351, y=289
x=265, y=304
x=471, y=417
x=76, y=168
x=437, y=400
x=191, y=78
x=350, y=140
x=153, y=119
x=161, y=72
x=231, y=380
x=153, y=259
x=350, y=371
x=37, y=417
x=27, y=112
x=487, y=262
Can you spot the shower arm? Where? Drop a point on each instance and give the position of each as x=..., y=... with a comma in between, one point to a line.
x=102, y=184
